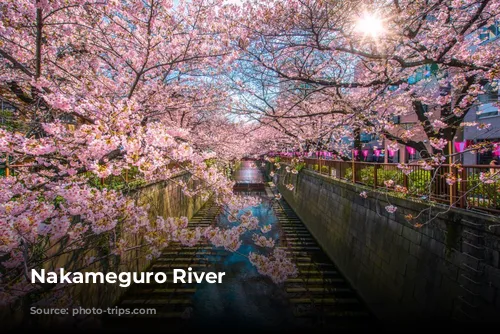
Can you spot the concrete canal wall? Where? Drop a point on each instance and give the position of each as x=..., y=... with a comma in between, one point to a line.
x=164, y=199
x=449, y=267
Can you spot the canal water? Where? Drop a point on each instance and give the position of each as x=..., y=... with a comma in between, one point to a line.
x=319, y=298
x=246, y=299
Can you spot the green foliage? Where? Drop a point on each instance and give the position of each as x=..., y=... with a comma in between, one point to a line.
x=58, y=200
x=300, y=166
x=118, y=182
x=480, y=193
x=210, y=162
x=418, y=183
x=8, y=122
x=3, y=169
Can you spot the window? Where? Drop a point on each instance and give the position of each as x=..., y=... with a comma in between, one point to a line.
x=365, y=137
x=487, y=102
x=407, y=126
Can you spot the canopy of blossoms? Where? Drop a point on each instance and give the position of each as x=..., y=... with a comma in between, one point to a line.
x=155, y=88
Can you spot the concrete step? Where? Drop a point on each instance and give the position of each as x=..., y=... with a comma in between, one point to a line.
x=324, y=280
x=304, y=248
x=318, y=272
x=322, y=290
x=313, y=265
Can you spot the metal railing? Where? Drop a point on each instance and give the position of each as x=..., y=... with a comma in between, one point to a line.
x=465, y=186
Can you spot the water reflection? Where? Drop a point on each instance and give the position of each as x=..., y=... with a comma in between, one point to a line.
x=245, y=299
x=248, y=173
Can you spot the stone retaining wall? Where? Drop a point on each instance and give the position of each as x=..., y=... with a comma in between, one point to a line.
x=449, y=267
x=165, y=199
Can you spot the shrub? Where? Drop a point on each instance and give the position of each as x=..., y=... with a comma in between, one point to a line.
x=418, y=183
x=300, y=166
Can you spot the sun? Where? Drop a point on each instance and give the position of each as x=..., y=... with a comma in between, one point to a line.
x=370, y=24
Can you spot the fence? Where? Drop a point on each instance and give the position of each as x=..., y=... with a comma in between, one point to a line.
x=467, y=186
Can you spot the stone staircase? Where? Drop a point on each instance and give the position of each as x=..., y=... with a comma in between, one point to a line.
x=319, y=292
x=173, y=302
x=319, y=297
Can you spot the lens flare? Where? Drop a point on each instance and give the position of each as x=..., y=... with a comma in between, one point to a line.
x=370, y=24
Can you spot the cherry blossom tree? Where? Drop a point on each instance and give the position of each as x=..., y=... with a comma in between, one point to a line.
x=336, y=69
x=102, y=87
x=362, y=55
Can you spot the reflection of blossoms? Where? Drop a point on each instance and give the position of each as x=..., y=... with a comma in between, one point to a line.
x=277, y=266
x=294, y=171
x=363, y=194
x=262, y=241
x=265, y=228
x=278, y=196
x=271, y=174
x=249, y=222
x=227, y=238
x=391, y=208
x=290, y=186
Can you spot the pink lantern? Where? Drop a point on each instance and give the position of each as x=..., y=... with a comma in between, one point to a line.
x=355, y=152
x=496, y=150
x=411, y=150
x=391, y=152
x=365, y=153
x=377, y=153
x=460, y=146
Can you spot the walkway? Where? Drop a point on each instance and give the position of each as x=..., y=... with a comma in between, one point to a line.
x=318, y=298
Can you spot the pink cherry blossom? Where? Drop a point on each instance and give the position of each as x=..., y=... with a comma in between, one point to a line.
x=391, y=208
